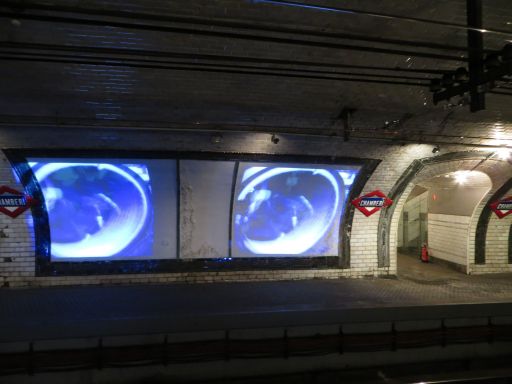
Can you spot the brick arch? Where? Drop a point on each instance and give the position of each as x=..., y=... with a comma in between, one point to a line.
x=482, y=225
x=426, y=168
x=510, y=244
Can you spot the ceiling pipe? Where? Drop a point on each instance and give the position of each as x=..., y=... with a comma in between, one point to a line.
x=222, y=34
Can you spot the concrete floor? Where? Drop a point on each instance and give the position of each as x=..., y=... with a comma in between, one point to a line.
x=447, y=285
x=411, y=268
x=39, y=313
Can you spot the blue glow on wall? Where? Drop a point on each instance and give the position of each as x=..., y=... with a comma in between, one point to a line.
x=294, y=211
x=97, y=210
x=105, y=209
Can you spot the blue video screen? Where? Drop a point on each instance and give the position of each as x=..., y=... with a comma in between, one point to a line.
x=289, y=210
x=102, y=210
x=138, y=209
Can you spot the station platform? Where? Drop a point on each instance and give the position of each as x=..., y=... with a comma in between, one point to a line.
x=419, y=292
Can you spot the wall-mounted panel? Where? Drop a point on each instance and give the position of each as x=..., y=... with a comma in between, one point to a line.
x=289, y=209
x=115, y=213
x=109, y=209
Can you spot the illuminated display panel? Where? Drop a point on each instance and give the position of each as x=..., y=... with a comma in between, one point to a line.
x=288, y=209
x=106, y=209
x=130, y=209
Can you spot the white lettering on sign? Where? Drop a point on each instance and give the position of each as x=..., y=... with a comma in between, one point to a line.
x=371, y=203
x=12, y=201
x=505, y=206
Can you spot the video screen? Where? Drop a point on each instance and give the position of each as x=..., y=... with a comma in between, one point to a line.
x=138, y=209
x=101, y=210
x=289, y=210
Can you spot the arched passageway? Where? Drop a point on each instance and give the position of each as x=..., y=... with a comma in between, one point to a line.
x=437, y=214
x=428, y=172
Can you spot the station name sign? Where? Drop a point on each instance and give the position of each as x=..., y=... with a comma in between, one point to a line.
x=502, y=207
x=371, y=202
x=13, y=203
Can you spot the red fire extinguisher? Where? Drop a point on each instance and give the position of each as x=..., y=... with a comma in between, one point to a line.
x=424, y=253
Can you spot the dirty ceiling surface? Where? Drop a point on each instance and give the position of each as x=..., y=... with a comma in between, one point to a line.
x=458, y=179
x=249, y=65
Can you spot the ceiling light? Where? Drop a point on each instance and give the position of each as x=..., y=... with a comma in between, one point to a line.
x=504, y=153
x=461, y=177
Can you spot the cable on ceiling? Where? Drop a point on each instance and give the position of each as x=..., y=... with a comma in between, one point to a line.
x=382, y=15
x=212, y=70
x=209, y=57
x=230, y=35
x=162, y=63
x=223, y=23
x=236, y=128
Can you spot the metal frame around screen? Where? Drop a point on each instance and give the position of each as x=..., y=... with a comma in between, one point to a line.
x=46, y=267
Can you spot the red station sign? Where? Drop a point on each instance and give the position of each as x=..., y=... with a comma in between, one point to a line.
x=502, y=207
x=371, y=202
x=13, y=203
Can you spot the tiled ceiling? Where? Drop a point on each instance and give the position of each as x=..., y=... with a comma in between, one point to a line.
x=458, y=179
x=238, y=64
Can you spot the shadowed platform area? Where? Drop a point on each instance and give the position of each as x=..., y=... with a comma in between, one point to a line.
x=421, y=291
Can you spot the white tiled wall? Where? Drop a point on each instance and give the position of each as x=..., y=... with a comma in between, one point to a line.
x=448, y=237
x=17, y=260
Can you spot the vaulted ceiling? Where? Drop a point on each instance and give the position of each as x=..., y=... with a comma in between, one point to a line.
x=248, y=66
